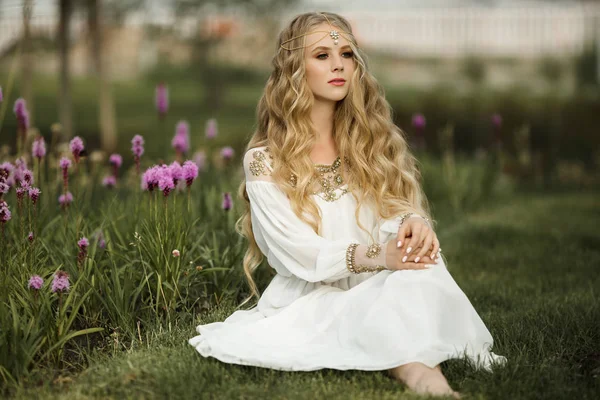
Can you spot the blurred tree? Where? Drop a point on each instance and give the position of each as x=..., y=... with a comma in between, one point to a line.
x=64, y=100
x=26, y=59
x=106, y=106
x=213, y=76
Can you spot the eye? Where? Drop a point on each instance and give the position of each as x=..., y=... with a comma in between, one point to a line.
x=319, y=56
x=350, y=54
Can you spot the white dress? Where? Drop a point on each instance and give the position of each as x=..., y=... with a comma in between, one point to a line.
x=317, y=314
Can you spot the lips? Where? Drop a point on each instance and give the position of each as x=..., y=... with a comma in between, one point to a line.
x=337, y=80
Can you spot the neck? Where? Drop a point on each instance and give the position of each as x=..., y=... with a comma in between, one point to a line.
x=322, y=121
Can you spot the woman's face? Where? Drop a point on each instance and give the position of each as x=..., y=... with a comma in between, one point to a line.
x=325, y=61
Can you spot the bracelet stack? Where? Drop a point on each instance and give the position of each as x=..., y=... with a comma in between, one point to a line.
x=409, y=214
x=372, y=252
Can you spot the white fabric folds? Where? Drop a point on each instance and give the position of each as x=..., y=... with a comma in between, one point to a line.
x=316, y=314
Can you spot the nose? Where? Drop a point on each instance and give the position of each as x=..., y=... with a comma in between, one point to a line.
x=337, y=64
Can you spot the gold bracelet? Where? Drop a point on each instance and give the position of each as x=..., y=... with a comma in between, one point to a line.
x=357, y=269
x=409, y=214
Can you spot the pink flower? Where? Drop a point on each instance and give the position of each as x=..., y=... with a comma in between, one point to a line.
x=38, y=148
x=36, y=282
x=76, y=146
x=109, y=181
x=418, y=121
x=1, y=95
x=64, y=163
x=30, y=237
x=162, y=99
x=83, y=243
x=137, y=145
x=22, y=114
x=227, y=153
x=175, y=253
x=4, y=188
x=21, y=192
x=496, y=120
x=200, y=159
x=181, y=140
x=227, y=202
x=4, y=212
x=65, y=199
x=34, y=194
x=176, y=172
x=165, y=183
x=27, y=179
x=190, y=172
x=60, y=282
x=211, y=128
x=115, y=160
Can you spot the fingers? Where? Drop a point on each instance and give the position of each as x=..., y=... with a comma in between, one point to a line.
x=414, y=240
x=403, y=232
x=414, y=265
x=436, y=247
x=426, y=241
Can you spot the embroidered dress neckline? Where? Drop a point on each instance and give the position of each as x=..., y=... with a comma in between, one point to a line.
x=326, y=165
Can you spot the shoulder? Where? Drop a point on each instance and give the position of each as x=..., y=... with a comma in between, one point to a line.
x=258, y=162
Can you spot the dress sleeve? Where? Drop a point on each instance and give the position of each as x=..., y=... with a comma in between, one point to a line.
x=290, y=245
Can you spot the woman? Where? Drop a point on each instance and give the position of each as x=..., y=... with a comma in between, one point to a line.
x=333, y=200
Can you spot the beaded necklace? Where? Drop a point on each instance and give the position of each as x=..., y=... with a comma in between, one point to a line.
x=330, y=180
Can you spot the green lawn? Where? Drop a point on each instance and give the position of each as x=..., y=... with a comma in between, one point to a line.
x=529, y=266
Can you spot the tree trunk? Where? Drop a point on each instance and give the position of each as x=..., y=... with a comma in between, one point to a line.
x=26, y=60
x=106, y=107
x=64, y=101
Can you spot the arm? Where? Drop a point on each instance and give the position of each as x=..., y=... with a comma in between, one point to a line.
x=290, y=245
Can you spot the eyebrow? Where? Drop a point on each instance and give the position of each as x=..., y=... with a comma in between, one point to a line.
x=329, y=48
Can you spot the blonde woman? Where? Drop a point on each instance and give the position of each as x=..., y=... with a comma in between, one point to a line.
x=334, y=202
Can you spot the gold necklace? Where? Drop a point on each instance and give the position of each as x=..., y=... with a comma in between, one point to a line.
x=329, y=183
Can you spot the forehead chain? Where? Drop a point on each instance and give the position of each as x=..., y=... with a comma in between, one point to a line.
x=333, y=33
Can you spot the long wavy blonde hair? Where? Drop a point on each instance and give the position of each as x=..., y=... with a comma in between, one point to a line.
x=384, y=173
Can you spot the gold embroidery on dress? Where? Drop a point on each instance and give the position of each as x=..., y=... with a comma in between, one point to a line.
x=258, y=166
x=330, y=178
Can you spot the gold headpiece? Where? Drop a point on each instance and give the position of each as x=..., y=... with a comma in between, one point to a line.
x=334, y=33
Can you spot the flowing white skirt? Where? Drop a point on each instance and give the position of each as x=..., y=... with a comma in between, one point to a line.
x=387, y=320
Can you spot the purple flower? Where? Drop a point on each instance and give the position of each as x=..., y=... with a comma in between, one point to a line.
x=1, y=95
x=200, y=159
x=181, y=140
x=38, y=148
x=30, y=237
x=4, y=188
x=227, y=202
x=21, y=193
x=34, y=194
x=6, y=168
x=496, y=120
x=4, y=212
x=115, y=160
x=100, y=239
x=211, y=128
x=109, y=181
x=227, y=153
x=27, y=179
x=64, y=164
x=150, y=178
x=190, y=172
x=76, y=146
x=162, y=99
x=22, y=114
x=65, y=199
x=165, y=183
x=137, y=145
x=418, y=121
x=60, y=282
x=176, y=172
x=36, y=282
x=83, y=243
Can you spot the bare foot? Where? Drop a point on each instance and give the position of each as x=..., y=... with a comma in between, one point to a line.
x=423, y=380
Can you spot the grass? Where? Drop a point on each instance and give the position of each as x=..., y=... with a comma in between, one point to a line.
x=529, y=267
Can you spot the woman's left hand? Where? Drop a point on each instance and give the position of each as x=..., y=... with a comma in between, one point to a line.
x=415, y=233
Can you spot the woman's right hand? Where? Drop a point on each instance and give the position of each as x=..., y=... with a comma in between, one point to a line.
x=394, y=255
